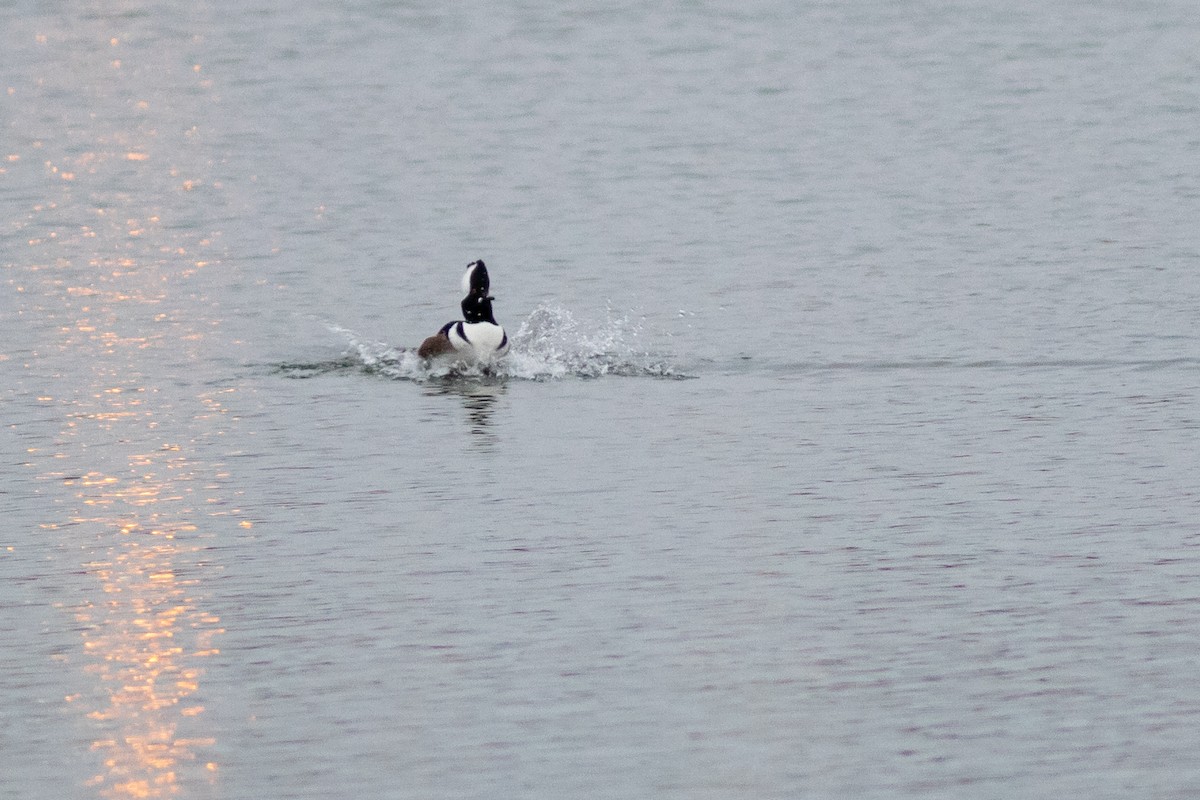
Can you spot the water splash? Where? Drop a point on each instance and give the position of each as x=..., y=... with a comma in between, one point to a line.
x=550, y=344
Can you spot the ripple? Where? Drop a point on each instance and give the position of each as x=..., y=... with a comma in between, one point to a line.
x=867, y=365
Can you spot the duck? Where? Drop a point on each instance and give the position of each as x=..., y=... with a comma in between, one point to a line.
x=477, y=337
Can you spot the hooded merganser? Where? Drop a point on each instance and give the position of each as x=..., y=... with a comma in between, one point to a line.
x=476, y=337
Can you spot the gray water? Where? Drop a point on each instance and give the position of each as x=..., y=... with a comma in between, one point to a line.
x=847, y=447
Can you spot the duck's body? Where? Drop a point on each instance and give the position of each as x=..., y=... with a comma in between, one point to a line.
x=478, y=337
x=485, y=339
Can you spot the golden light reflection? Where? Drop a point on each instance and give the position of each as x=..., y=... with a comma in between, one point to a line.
x=109, y=240
x=146, y=635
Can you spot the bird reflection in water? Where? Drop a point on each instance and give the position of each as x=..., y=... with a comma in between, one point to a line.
x=479, y=399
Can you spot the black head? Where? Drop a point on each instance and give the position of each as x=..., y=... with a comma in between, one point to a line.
x=475, y=281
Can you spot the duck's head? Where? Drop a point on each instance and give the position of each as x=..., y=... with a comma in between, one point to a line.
x=475, y=279
x=477, y=305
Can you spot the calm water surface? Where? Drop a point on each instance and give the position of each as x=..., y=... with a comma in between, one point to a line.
x=847, y=448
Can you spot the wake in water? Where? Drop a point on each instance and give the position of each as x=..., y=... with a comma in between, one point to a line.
x=550, y=344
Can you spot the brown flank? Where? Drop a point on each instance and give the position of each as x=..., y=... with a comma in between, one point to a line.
x=436, y=345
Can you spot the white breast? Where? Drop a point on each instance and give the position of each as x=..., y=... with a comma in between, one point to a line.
x=481, y=341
